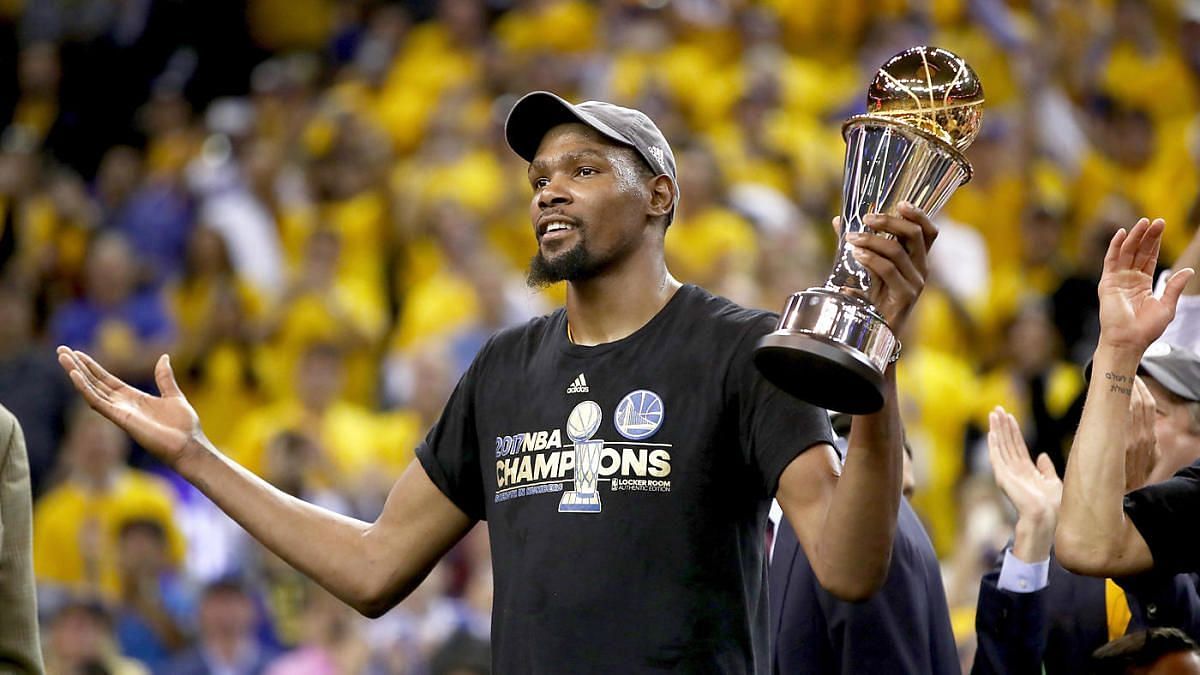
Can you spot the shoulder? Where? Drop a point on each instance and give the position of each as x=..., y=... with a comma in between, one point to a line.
x=8, y=426
x=724, y=316
x=10, y=431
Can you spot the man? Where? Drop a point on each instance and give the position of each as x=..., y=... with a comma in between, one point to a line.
x=1100, y=533
x=227, y=642
x=1159, y=651
x=904, y=628
x=1033, y=615
x=19, y=646
x=655, y=386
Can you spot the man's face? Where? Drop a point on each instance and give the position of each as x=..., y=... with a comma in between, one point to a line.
x=1178, y=444
x=589, y=206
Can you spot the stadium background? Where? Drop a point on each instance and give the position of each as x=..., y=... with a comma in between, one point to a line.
x=310, y=205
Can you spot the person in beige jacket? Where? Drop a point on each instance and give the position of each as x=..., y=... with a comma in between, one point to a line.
x=19, y=646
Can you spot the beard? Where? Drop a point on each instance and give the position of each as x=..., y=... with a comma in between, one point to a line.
x=574, y=264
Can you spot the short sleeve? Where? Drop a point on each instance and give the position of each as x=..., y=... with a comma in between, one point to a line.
x=774, y=426
x=1165, y=515
x=450, y=452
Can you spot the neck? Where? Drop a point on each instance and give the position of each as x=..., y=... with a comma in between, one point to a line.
x=614, y=304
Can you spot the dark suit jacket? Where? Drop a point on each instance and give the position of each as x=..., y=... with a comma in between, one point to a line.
x=904, y=628
x=1061, y=625
x=19, y=647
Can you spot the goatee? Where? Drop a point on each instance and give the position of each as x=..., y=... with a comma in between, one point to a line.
x=573, y=265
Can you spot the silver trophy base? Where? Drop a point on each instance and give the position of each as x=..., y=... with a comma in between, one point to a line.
x=831, y=350
x=579, y=502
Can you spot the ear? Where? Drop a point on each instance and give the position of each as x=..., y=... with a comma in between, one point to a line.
x=662, y=196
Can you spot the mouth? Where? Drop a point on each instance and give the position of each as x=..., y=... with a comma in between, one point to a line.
x=554, y=227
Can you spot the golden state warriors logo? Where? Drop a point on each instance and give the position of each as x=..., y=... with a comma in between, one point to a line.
x=639, y=414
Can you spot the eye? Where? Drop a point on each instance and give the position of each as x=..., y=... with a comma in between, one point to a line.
x=586, y=171
x=539, y=183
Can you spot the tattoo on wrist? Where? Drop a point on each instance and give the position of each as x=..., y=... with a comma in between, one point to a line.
x=1121, y=384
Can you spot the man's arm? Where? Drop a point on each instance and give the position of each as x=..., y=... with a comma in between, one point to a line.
x=846, y=522
x=370, y=566
x=1094, y=537
x=1010, y=617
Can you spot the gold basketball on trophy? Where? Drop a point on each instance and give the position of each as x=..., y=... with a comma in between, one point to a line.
x=931, y=89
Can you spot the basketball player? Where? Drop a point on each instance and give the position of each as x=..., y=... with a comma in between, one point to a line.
x=634, y=541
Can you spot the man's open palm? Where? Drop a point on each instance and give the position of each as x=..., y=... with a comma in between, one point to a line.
x=1130, y=315
x=164, y=424
x=1033, y=489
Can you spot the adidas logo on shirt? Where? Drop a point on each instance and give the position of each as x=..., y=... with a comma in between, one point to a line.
x=579, y=386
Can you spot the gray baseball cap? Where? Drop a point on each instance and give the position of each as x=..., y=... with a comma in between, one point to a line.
x=538, y=112
x=1175, y=368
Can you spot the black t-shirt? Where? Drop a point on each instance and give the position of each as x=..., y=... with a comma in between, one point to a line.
x=660, y=567
x=1165, y=514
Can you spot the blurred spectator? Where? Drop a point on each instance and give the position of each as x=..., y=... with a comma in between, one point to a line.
x=292, y=460
x=331, y=643
x=1157, y=651
x=80, y=641
x=217, y=314
x=227, y=644
x=1035, y=384
x=318, y=306
x=348, y=445
x=155, y=610
x=117, y=321
x=707, y=243
x=76, y=524
x=31, y=384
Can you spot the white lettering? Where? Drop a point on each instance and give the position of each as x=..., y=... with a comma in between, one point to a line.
x=633, y=462
x=660, y=463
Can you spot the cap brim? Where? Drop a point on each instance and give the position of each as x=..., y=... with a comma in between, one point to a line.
x=1170, y=381
x=539, y=112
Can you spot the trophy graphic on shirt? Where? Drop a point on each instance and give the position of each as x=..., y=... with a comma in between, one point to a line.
x=582, y=424
x=924, y=108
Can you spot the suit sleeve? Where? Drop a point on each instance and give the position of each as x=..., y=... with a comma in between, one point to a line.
x=19, y=645
x=1011, y=629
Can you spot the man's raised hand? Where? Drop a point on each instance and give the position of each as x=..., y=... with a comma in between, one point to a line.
x=1130, y=316
x=1034, y=490
x=165, y=425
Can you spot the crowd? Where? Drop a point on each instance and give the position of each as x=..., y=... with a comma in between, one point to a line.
x=310, y=205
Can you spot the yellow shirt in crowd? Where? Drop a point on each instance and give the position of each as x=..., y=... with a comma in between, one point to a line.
x=75, y=530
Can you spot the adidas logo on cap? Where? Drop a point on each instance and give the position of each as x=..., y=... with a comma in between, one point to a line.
x=579, y=386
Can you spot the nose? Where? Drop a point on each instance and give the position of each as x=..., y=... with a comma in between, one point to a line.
x=552, y=194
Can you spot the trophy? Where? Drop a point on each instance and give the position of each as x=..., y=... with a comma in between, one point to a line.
x=923, y=109
x=582, y=424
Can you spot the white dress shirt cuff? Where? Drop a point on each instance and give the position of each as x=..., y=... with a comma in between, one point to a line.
x=1018, y=576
